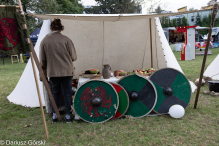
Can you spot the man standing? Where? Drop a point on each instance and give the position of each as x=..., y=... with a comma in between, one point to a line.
x=57, y=53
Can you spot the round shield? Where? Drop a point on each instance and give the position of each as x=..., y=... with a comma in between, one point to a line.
x=142, y=95
x=96, y=101
x=123, y=101
x=172, y=88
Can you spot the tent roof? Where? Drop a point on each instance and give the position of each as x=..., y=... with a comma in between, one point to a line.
x=35, y=34
x=212, y=70
x=106, y=17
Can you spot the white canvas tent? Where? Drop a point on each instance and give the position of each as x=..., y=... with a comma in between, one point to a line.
x=213, y=70
x=123, y=41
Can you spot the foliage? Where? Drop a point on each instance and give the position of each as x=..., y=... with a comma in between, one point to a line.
x=158, y=10
x=152, y=4
x=46, y=7
x=191, y=9
x=198, y=21
x=205, y=22
x=115, y=7
x=166, y=22
x=7, y=2
x=70, y=6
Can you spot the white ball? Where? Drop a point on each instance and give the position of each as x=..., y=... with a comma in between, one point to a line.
x=176, y=111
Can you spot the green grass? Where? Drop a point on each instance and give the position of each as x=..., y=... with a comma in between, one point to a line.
x=198, y=127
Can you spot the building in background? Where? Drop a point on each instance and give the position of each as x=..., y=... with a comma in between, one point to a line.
x=191, y=17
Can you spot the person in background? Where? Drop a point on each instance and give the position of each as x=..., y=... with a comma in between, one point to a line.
x=57, y=53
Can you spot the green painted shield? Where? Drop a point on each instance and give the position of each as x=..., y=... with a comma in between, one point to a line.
x=123, y=101
x=96, y=101
x=146, y=94
x=172, y=88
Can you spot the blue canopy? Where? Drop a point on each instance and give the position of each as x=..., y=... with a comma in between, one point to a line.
x=34, y=35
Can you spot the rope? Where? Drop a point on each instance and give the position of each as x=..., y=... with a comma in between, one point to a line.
x=156, y=43
x=215, y=75
x=103, y=46
x=145, y=50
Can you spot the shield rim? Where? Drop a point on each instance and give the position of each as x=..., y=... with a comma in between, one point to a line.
x=152, y=86
x=118, y=106
x=114, y=91
x=186, y=79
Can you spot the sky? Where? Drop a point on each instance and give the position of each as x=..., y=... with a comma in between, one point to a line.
x=170, y=5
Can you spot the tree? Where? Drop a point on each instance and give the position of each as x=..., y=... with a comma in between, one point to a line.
x=70, y=6
x=158, y=10
x=115, y=7
x=46, y=7
x=198, y=21
x=165, y=22
x=92, y=10
x=183, y=22
x=191, y=9
x=174, y=22
x=150, y=5
x=39, y=7
x=7, y=2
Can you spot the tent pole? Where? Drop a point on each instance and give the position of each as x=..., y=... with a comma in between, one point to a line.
x=41, y=73
x=215, y=10
x=151, y=44
x=35, y=76
x=38, y=91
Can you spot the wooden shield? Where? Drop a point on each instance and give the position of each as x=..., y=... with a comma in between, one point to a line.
x=123, y=101
x=172, y=88
x=96, y=101
x=142, y=95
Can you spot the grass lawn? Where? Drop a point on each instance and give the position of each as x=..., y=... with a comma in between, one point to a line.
x=198, y=126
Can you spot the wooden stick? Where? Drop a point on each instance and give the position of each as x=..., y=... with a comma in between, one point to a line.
x=38, y=91
x=3, y=6
x=206, y=52
x=36, y=81
x=41, y=72
x=151, y=44
x=45, y=83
